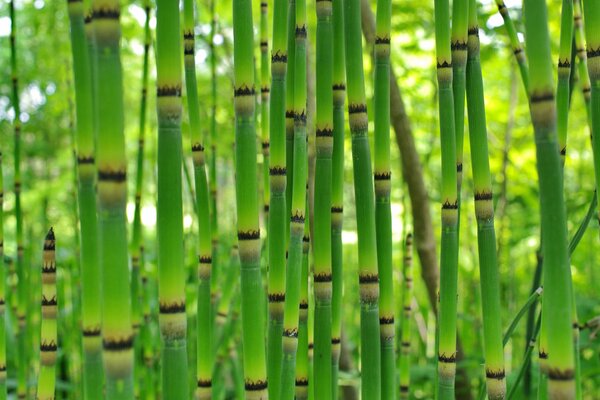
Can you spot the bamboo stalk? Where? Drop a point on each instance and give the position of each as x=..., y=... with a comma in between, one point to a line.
x=204, y=354
x=407, y=296
x=563, y=92
x=212, y=168
x=322, y=201
x=255, y=373
x=458, y=45
x=484, y=213
x=48, y=341
x=264, y=104
x=303, y=364
x=112, y=197
x=86, y=197
x=515, y=43
x=363, y=191
x=382, y=176
x=584, y=76
x=289, y=109
x=3, y=298
x=337, y=191
x=556, y=275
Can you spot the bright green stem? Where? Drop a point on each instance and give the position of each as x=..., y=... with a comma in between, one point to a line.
x=564, y=76
x=526, y=360
x=289, y=109
x=3, y=303
x=171, y=273
x=277, y=207
x=365, y=208
x=86, y=172
x=337, y=190
x=303, y=362
x=406, y=320
x=584, y=76
x=264, y=103
x=531, y=301
x=449, y=247
x=484, y=212
x=253, y=328
x=322, y=201
x=515, y=44
x=556, y=275
x=212, y=175
x=460, y=13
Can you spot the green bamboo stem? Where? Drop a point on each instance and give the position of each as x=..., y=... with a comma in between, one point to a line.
x=458, y=45
x=322, y=200
x=484, y=212
x=204, y=329
x=289, y=109
x=449, y=253
x=303, y=363
x=406, y=320
x=48, y=338
x=3, y=276
x=212, y=169
x=277, y=182
x=382, y=176
x=22, y=364
x=298, y=210
x=253, y=334
x=117, y=332
x=584, y=76
x=264, y=104
x=171, y=272
x=91, y=285
x=515, y=43
x=563, y=92
x=531, y=301
x=557, y=278
x=526, y=360
x=365, y=219
x=337, y=191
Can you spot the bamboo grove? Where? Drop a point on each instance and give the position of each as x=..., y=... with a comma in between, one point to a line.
x=267, y=199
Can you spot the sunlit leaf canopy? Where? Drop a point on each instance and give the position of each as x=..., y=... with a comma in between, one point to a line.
x=47, y=112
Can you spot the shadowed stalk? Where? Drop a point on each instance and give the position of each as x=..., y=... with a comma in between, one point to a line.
x=3, y=277
x=48, y=339
x=584, y=76
x=212, y=168
x=117, y=334
x=277, y=181
x=365, y=208
x=484, y=213
x=449, y=237
x=253, y=330
x=289, y=110
x=515, y=43
x=556, y=307
x=86, y=197
x=298, y=210
x=21, y=363
x=205, y=352
x=171, y=273
x=303, y=362
x=337, y=190
x=458, y=45
x=382, y=176
x=564, y=76
x=406, y=320
x=322, y=201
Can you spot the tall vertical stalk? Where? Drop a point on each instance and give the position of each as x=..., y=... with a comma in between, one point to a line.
x=171, y=273
x=204, y=330
x=322, y=202
x=264, y=103
x=91, y=284
x=365, y=219
x=298, y=210
x=212, y=175
x=556, y=307
x=563, y=92
x=449, y=252
x=48, y=338
x=515, y=43
x=406, y=321
x=337, y=190
x=3, y=276
x=255, y=371
x=22, y=364
x=112, y=198
x=584, y=76
x=277, y=183
x=382, y=176
x=303, y=383
x=289, y=108
x=458, y=45
x=484, y=213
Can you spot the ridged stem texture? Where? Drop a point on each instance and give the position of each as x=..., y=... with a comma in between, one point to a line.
x=117, y=334
x=171, y=272
x=370, y=349
x=557, y=304
x=253, y=328
x=407, y=294
x=303, y=363
x=449, y=246
x=204, y=330
x=337, y=190
x=297, y=212
x=48, y=339
x=484, y=213
x=264, y=104
x=322, y=201
x=86, y=197
x=277, y=182
x=458, y=45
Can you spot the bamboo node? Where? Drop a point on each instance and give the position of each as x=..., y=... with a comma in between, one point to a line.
x=257, y=385
x=557, y=374
x=302, y=382
x=495, y=374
